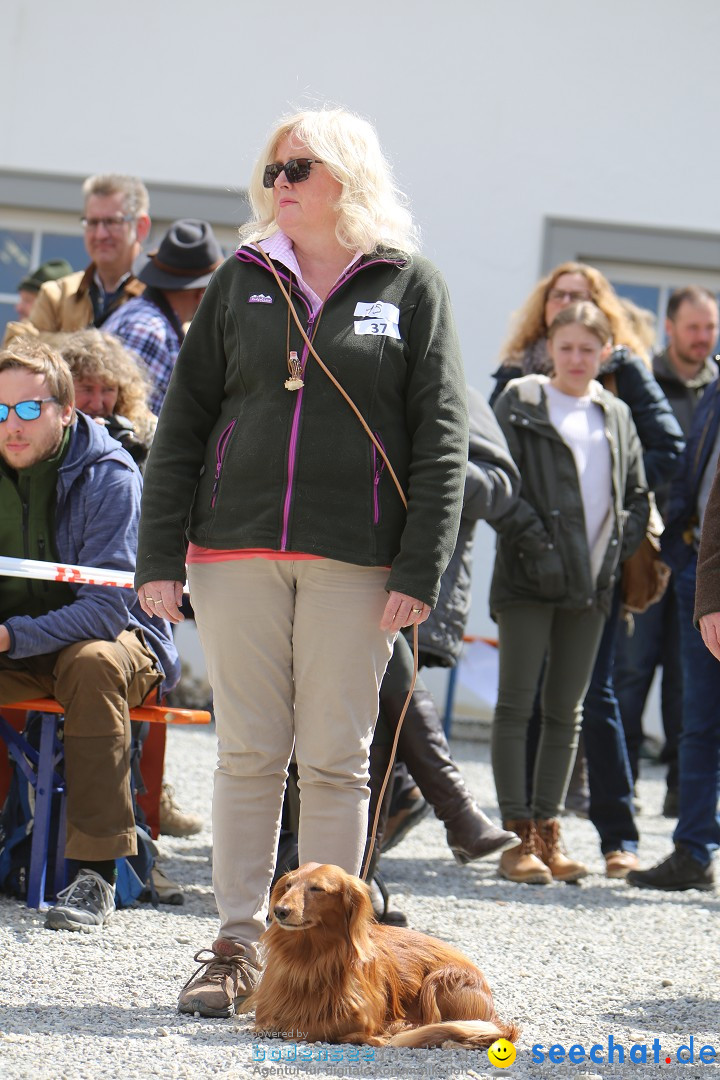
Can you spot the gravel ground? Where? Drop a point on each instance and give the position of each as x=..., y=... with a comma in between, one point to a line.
x=574, y=965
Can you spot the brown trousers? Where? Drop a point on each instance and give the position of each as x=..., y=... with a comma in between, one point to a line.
x=97, y=683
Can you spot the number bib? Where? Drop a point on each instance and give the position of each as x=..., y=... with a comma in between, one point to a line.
x=378, y=318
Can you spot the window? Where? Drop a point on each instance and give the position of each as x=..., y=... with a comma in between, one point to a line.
x=644, y=265
x=40, y=220
x=22, y=251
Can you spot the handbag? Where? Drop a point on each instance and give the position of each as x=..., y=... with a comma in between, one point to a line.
x=644, y=576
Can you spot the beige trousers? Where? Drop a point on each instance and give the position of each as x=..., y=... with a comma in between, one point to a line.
x=295, y=658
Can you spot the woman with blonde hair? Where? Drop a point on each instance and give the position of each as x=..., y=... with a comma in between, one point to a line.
x=303, y=561
x=626, y=372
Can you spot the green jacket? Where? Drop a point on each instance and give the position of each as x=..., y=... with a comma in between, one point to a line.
x=238, y=461
x=542, y=549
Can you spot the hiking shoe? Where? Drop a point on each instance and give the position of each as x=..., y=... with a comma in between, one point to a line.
x=399, y=824
x=679, y=871
x=172, y=820
x=226, y=977
x=86, y=903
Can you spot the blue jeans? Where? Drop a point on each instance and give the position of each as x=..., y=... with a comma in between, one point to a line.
x=654, y=642
x=611, y=786
x=698, y=827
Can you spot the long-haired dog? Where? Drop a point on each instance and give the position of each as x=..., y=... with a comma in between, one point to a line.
x=335, y=975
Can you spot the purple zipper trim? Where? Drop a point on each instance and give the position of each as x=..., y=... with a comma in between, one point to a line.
x=219, y=455
x=243, y=255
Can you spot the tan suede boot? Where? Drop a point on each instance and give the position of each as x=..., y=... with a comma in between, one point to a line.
x=522, y=863
x=561, y=866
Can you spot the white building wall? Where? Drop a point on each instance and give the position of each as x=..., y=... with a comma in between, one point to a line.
x=496, y=113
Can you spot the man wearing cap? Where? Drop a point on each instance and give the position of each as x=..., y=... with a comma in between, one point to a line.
x=116, y=224
x=29, y=287
x=175, y=278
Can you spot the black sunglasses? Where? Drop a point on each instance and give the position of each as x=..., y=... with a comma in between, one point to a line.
x=296, y=170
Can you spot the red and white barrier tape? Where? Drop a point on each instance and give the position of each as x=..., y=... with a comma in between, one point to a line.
x=75, y=575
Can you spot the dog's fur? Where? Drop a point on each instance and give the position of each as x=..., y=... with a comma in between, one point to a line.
x=336, y=975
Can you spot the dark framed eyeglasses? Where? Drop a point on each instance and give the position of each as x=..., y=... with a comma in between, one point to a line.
x=569, y=295
x=296, y=170
x=25, y=410
x=112, y=224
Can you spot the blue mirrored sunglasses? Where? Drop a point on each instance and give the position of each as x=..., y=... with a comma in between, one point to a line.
x=25, y=410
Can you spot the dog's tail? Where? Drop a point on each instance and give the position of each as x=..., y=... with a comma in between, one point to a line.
x=476, y=1033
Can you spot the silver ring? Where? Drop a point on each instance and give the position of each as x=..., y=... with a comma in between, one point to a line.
x=417, y=611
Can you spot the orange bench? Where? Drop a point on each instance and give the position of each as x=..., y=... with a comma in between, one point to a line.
x=40, y=767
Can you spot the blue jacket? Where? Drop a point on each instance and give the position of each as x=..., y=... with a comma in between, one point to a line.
x=678, y=539
x=96, y=522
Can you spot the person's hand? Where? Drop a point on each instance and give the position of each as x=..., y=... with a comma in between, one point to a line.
x=402, y=610
x=162, y=598
x=4, y=639
x=710, y=630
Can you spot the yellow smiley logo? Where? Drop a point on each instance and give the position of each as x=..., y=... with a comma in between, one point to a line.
x=501, y=1054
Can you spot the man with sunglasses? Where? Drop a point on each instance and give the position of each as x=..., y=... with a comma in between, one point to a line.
x=70, y=493
x=116, y=223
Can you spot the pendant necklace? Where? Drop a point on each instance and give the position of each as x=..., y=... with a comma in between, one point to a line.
x=295, y=368
x=295, y=382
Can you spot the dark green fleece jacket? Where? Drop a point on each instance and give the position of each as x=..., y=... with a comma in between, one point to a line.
x=238, y=461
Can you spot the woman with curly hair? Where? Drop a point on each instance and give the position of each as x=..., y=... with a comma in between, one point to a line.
x=626, y=372
x=112, y=386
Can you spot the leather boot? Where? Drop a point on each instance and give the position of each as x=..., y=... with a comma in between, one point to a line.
x=424, y=749
x=560, y=865
x=522, y=863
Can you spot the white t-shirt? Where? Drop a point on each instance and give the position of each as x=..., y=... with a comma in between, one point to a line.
x=581, y=424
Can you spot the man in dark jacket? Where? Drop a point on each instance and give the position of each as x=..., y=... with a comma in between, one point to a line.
x=683, y=370
x=70, y=493
x=695, y=508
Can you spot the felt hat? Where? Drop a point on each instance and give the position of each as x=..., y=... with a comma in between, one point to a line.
x=48, y=271
x=185, y=259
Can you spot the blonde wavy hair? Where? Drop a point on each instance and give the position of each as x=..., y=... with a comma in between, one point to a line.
x=91, y=354
x=371, y=211
x=529, y=322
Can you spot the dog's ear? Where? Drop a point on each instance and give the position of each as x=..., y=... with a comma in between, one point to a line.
x=359, y=912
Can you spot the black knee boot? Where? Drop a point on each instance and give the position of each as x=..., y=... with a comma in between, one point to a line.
x=424, y=749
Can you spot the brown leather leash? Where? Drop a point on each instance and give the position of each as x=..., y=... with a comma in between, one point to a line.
x=403, y=497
